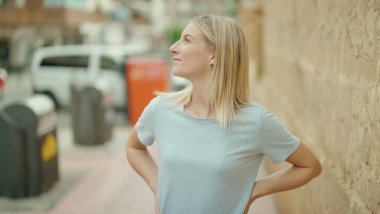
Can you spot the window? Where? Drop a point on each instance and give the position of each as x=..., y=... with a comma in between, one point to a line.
x=77, y=4
x=17, y=3
x=53, y=3
x=108, y=63
x=66, y=61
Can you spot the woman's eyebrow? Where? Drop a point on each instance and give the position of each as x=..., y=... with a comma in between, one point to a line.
x=188, y=35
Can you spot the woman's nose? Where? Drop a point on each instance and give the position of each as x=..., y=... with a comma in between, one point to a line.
x=173, y=48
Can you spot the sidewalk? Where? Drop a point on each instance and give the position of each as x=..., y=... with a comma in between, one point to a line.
x=98, y=180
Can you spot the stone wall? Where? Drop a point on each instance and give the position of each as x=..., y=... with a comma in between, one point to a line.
x=321, y=77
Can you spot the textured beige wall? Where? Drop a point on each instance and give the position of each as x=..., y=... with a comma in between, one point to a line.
x=321, y=77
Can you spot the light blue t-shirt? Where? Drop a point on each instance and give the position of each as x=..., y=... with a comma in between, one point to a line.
x=203, y=169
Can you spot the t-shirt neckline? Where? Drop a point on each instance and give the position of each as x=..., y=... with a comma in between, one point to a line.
x=211, y=119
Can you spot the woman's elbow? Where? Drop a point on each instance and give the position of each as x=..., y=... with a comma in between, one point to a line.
x=317, y=169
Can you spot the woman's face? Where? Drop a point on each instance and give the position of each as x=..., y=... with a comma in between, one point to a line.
x=191, y=57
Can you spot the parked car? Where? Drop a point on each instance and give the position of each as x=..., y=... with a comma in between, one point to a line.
x=55, y=68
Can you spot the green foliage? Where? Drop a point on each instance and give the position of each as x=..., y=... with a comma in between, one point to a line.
x=173, y=33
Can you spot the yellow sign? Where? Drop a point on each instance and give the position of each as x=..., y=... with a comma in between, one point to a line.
x=49, y=148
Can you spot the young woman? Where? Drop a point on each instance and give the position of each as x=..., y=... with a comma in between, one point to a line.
x=210, y=137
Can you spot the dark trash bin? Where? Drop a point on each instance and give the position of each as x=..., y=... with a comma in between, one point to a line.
x=92, y=112
x=29, y=150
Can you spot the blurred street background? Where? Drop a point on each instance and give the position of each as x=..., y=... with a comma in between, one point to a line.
x=50, y=47
x=76, y=74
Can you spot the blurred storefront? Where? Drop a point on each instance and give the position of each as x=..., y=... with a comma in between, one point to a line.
x=27, y=25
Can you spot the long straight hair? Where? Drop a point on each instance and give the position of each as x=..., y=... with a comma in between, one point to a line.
x=229, y=83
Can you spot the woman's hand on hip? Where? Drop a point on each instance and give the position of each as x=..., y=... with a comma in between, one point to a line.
x=254, y=195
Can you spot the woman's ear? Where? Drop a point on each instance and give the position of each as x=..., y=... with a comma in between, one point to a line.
x=212, y=60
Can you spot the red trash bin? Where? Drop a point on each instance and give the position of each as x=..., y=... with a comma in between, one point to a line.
x=143, y=77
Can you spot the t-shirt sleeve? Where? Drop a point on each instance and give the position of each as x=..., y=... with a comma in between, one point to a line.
x=276, y=141
x=145, y=124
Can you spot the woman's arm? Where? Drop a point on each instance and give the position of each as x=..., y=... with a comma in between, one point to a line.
x=305, y=166
x=141, y=161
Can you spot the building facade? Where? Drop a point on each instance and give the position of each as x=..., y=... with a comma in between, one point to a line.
x=320, y=74
x=27, y=25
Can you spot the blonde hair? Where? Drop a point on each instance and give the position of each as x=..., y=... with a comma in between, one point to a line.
x=229, y=82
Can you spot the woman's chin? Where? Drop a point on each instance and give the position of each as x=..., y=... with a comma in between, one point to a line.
x=177, y=73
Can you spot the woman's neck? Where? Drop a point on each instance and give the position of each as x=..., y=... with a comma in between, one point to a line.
x=199, y=104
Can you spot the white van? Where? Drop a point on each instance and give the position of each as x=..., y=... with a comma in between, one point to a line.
x=55, y=68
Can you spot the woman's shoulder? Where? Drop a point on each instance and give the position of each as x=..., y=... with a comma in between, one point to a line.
x=155, y=100
x=163, y=102
x=153, y=103
x=256, y=110
x=159, y=99
x=254, y=105
x=250, y=110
